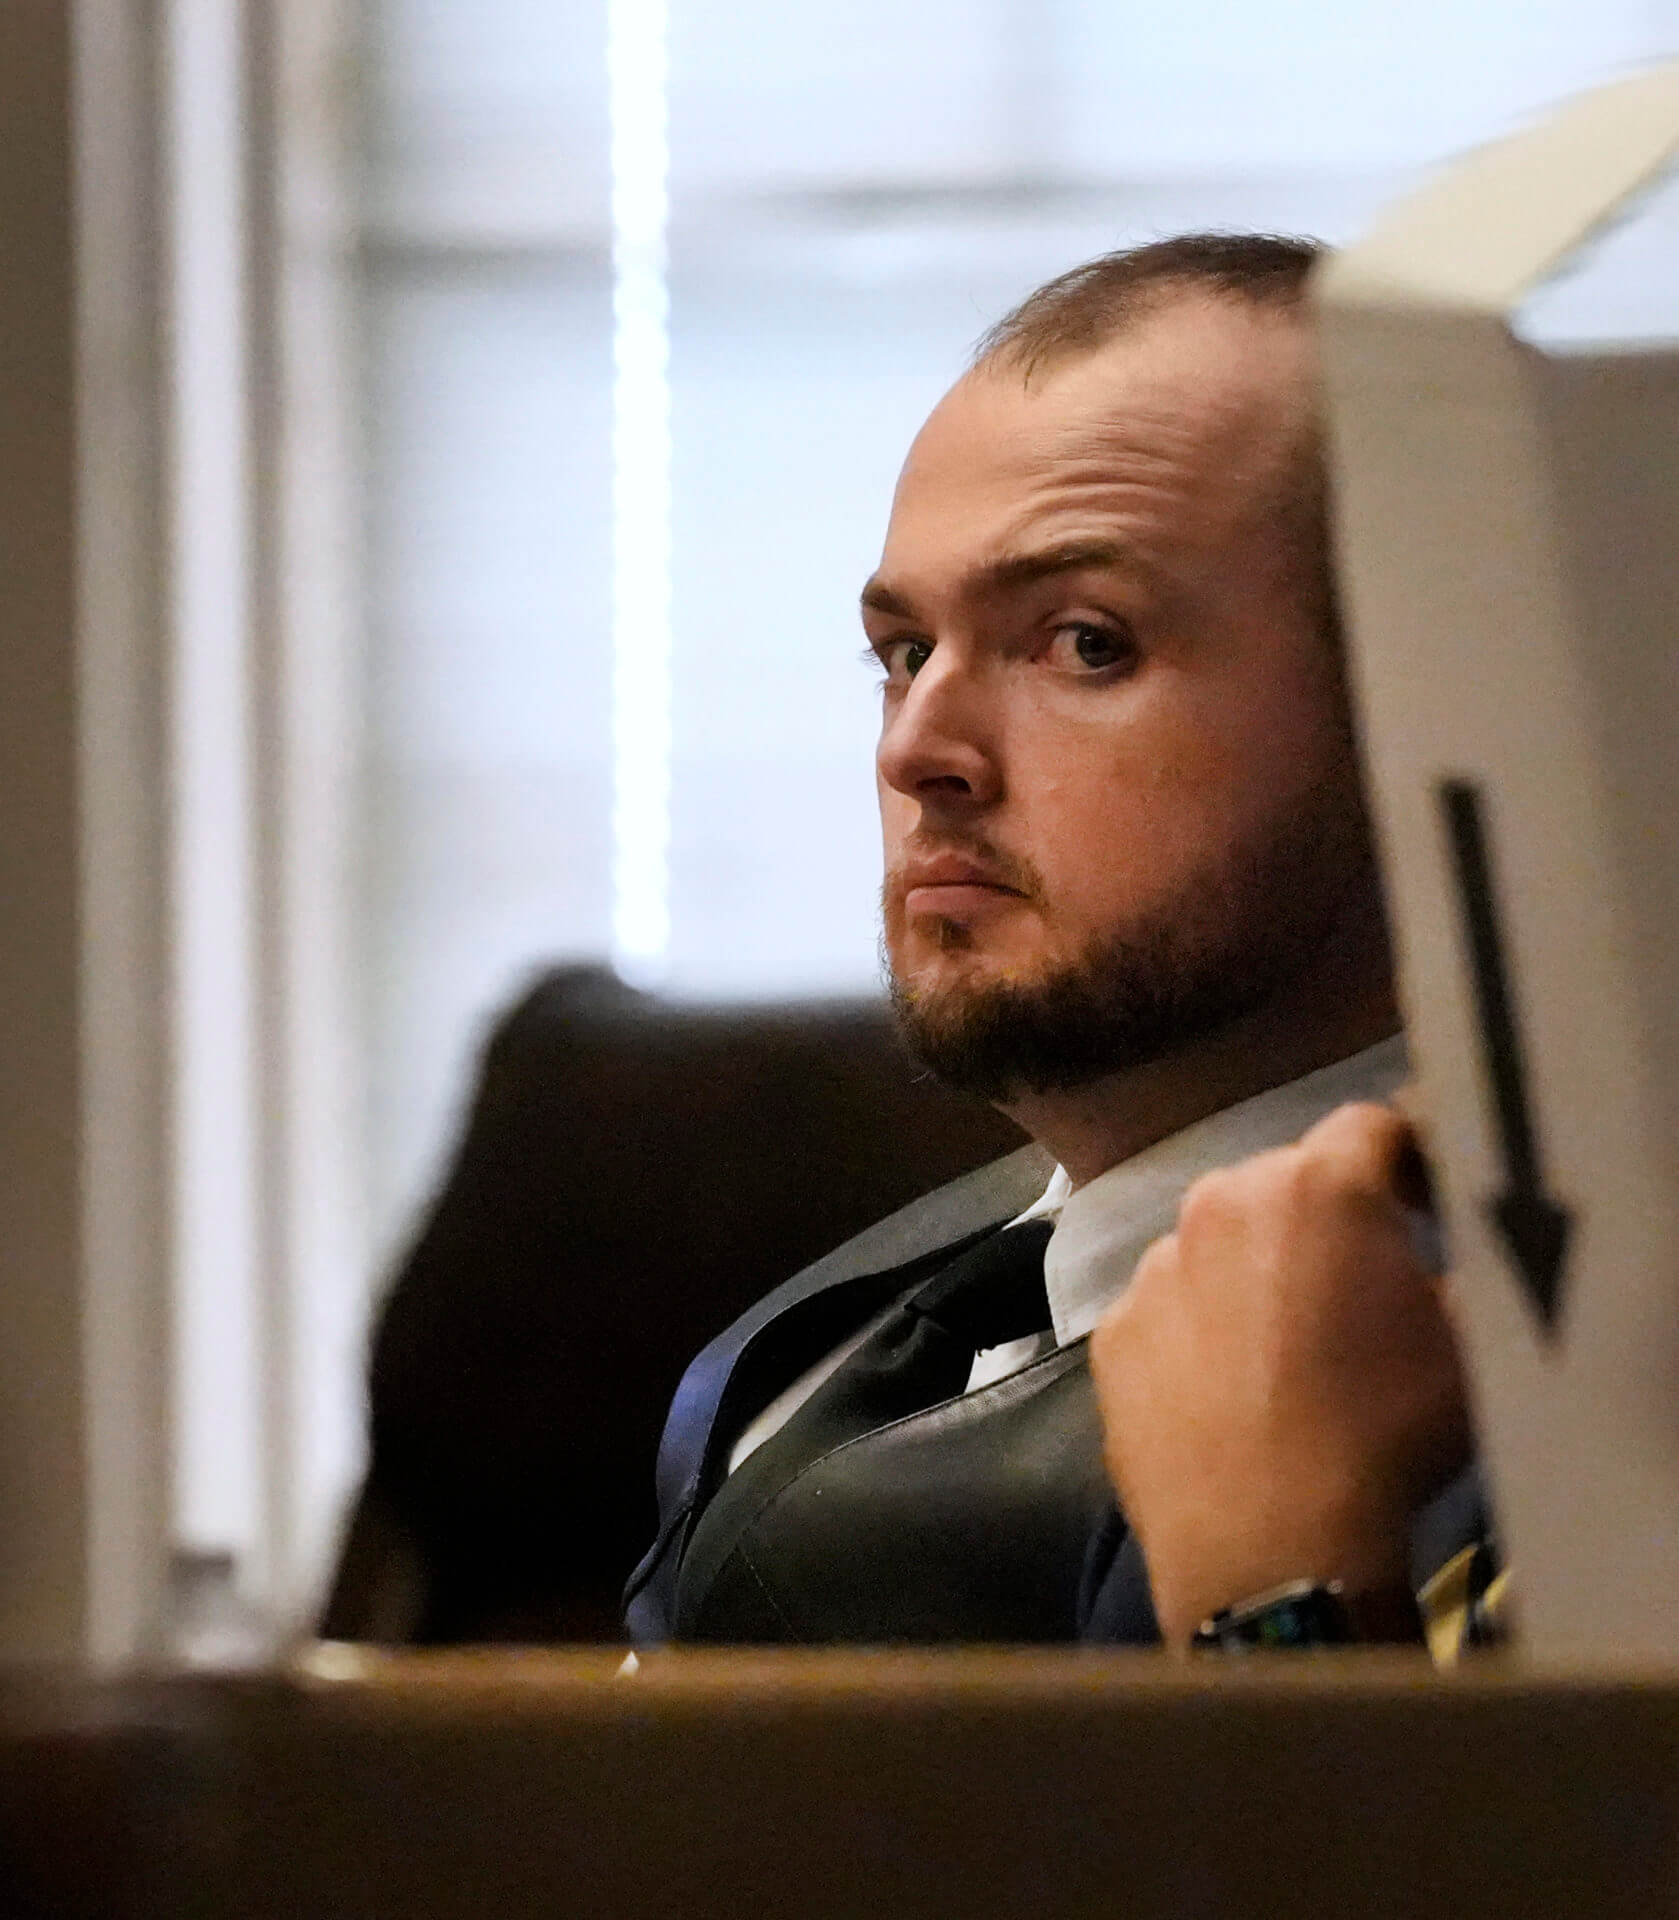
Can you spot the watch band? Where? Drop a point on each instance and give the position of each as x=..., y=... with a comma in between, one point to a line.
x=1308, y=1613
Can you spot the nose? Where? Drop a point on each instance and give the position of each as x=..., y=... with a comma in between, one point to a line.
x=936, y=744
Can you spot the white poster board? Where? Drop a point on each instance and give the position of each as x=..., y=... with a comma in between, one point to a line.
x=1508, y=533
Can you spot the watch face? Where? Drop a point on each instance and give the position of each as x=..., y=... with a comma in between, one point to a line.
x=1315, y=1619
x=1298, y=1616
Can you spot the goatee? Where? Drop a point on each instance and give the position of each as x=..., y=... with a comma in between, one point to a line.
x=1232, y=940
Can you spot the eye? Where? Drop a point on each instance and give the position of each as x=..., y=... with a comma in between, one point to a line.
x=901, y=659
x=1088, y=646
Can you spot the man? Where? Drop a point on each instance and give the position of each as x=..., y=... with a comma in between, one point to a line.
x=1130, y=897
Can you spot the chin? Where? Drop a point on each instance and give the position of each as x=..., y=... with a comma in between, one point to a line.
x=938, y=959
x=1002, y=1029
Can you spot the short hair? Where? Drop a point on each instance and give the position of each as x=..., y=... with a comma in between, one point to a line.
x=1080, y=311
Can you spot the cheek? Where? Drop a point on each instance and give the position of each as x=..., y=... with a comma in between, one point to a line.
x=1111, y=802
x=898, y=815
x=1225, y=752
x=1120, y=814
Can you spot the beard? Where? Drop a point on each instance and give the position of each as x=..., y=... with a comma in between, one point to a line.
x=1237, y=936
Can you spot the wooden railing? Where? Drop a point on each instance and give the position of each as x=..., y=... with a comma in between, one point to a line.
x=840, y=1787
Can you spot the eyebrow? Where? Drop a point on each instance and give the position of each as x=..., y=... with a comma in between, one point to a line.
x=1009, y=574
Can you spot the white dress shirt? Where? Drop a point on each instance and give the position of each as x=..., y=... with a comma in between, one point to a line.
x=1103, y=1228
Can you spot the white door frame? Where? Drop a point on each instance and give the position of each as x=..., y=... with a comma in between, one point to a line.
x=180, y=1123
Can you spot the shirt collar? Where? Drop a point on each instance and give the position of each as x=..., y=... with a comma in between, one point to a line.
x=1104, y=1228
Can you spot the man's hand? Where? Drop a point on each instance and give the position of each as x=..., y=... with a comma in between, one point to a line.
x=1279, y=1385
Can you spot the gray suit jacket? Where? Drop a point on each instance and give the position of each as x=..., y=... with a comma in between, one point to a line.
x=769, y=1347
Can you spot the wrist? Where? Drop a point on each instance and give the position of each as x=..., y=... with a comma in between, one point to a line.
x=1369, y=1575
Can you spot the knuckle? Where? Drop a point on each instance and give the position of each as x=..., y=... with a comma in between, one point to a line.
x=1155, y=1268
x=1209, y=1201
x=1362, y=1141
x=1110, y=1339
x=1123, y=1327
x=1357, y=1120
x=1328, y=1178
x=1247, y=1193
x=1315, y=1183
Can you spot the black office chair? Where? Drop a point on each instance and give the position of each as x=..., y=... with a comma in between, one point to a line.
x=632, y=1176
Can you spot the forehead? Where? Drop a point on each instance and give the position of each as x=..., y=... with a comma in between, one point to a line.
x=1174, y=437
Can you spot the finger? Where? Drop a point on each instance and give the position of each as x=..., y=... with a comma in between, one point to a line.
x=1225, y=1201
x=1364, y=1145
x=1151, y=1279
x=1155, y=1273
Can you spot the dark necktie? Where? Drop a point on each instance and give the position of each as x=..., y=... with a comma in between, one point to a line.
x=803, y=1543
x=923, y=1352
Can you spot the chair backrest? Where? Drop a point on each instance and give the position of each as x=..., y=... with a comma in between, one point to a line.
x=632, y=1176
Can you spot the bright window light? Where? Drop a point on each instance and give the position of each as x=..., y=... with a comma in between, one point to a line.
x=637, y=79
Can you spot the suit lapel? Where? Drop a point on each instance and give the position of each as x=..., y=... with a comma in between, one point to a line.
x=693, y=1435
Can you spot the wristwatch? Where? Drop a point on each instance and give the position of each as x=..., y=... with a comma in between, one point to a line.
x=1307, y=1613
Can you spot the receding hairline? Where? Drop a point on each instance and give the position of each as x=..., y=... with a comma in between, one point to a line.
x=1265, y=276
x=1081, y=310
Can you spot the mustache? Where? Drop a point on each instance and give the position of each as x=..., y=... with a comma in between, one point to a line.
x=1006, y=869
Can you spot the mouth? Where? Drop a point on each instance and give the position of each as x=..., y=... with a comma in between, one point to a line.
x=953, y=887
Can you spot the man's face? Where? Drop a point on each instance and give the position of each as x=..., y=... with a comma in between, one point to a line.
x=1118, y=792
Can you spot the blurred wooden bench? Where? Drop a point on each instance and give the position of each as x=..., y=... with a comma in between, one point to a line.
x=947, y=1786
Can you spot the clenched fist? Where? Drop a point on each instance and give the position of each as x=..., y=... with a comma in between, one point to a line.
x=1279, y=1385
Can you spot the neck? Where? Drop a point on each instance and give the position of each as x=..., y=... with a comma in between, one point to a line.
x=1094, y=1127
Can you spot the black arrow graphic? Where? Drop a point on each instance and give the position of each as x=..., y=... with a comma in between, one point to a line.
x=1533, y=1226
